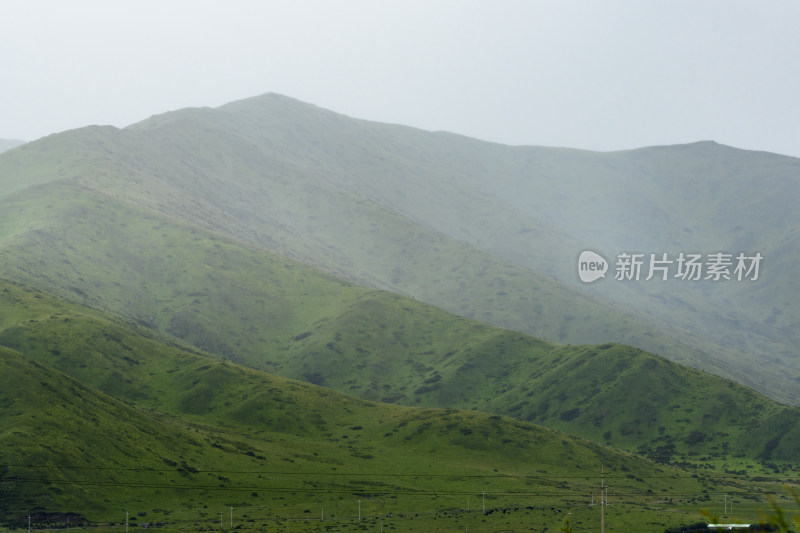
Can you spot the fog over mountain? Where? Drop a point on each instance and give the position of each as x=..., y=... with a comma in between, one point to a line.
x=485, y=230
x=267, y=297
x=399, y=266
x=7, y=144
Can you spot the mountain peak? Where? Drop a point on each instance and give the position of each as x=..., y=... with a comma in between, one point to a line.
x=270, y=100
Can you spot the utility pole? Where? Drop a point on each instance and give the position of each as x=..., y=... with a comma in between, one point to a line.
x=231, y=516
x=602, y=501
x=126, y=521
x=359, y=510
x=484, y=502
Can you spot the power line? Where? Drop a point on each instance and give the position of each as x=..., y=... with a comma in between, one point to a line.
x=628, y=475
x=583, y=491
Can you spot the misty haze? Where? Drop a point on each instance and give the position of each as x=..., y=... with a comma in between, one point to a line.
x=179, y=270
x=419, y=267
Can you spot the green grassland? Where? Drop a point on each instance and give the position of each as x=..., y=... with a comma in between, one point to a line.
x=152, y=276
x=176, y=438
x=269, y=312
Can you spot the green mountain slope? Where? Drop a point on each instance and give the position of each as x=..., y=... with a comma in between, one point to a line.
x=487, y=231
x=271, y=313
x=508, y=200
x=173, y=225
x=179, y=438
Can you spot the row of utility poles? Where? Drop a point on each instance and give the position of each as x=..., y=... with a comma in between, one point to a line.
x=603, y=502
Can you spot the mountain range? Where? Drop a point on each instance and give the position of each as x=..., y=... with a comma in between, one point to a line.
x=145, y=267
x=483, y=230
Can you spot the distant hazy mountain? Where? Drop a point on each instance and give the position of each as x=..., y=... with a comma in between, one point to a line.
x=484, y=230
x=8, y=144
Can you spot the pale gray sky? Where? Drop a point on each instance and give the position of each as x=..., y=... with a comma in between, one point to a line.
x=599, y=74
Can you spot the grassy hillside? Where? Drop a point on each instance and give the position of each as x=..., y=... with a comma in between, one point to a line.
x=539, y=207
x=487, y=231
x=190, y=236
x=271, y=313
x=178, y=438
